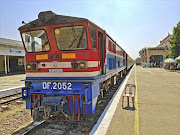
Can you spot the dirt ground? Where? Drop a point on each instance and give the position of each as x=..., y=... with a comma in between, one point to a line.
x=14, y=118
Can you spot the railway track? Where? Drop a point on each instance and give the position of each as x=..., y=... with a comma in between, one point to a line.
x=9, y=98
x=71, y=127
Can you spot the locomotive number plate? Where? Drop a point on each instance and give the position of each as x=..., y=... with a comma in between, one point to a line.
x=55, y=70
x=57, y=85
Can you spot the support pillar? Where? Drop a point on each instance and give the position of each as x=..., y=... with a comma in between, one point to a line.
x=5, y=65
x=8, y=65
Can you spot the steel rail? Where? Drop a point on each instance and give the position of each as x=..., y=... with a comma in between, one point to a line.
x=2, y=97
x=9, y=96
x=8, y=101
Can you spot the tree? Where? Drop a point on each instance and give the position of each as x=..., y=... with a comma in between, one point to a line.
x=138, y=59
x=141, y=51
x=175, y=43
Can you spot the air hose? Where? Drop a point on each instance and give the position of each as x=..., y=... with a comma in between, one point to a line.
x=62, y=111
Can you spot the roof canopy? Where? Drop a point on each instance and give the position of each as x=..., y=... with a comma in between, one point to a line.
x=4, y=41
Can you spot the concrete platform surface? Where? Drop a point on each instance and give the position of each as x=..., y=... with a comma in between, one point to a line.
x=158, y=104
x=11, y=81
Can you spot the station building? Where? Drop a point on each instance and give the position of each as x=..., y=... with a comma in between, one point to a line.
x=157, y=54
x=11, y=57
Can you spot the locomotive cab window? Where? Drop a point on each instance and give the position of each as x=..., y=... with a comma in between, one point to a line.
x=71, y=38
x=36, y=41
x=93, y=36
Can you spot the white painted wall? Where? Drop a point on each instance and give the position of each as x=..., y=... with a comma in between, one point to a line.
x=11, y=50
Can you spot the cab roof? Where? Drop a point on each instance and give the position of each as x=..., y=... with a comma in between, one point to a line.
x=51, y=18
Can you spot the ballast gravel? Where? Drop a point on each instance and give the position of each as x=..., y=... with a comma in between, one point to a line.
x=14, y=118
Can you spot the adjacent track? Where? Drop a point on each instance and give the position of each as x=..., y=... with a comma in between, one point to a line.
x=9, y=98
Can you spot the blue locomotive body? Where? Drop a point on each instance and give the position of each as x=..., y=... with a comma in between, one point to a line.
x=62, y=87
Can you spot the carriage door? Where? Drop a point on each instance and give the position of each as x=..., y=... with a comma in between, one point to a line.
x=101, y=52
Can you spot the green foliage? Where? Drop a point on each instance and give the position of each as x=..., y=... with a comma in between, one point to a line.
x=138, y=59
x=141, y=51
x=175, y=43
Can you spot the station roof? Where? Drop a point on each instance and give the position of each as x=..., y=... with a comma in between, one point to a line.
x=157, y=48
x=10, y=42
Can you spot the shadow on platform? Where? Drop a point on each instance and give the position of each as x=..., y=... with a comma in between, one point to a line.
x=178, y=71
x=129, y=108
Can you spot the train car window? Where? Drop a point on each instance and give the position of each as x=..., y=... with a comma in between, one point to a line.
x=123, y=62
x=118, y=63
x=36, y=41
x=71, y=38
x=93, y=36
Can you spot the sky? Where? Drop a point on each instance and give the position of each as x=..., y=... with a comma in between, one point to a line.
x=133, y=24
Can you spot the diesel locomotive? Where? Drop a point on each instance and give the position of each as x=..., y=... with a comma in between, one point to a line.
x=70, y=64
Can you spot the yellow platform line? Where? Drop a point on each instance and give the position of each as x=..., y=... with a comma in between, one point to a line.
x=136, y=122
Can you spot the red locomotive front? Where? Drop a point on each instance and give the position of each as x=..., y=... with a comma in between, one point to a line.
x=60, y=50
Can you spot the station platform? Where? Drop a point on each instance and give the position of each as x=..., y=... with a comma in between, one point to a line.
x=11, y=81
x=157, y=107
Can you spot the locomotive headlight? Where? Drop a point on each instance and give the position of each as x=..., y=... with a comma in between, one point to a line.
x=28, y=66
x=74, y=65
x=33, y=66
x=79, y=65
x=82, y=65
x=41, y=16
x=48, y=15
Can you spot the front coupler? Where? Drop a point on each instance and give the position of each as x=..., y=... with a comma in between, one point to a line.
x=57, y=108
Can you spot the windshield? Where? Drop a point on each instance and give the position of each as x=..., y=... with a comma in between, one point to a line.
x=71, y=38
x=36, y=41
